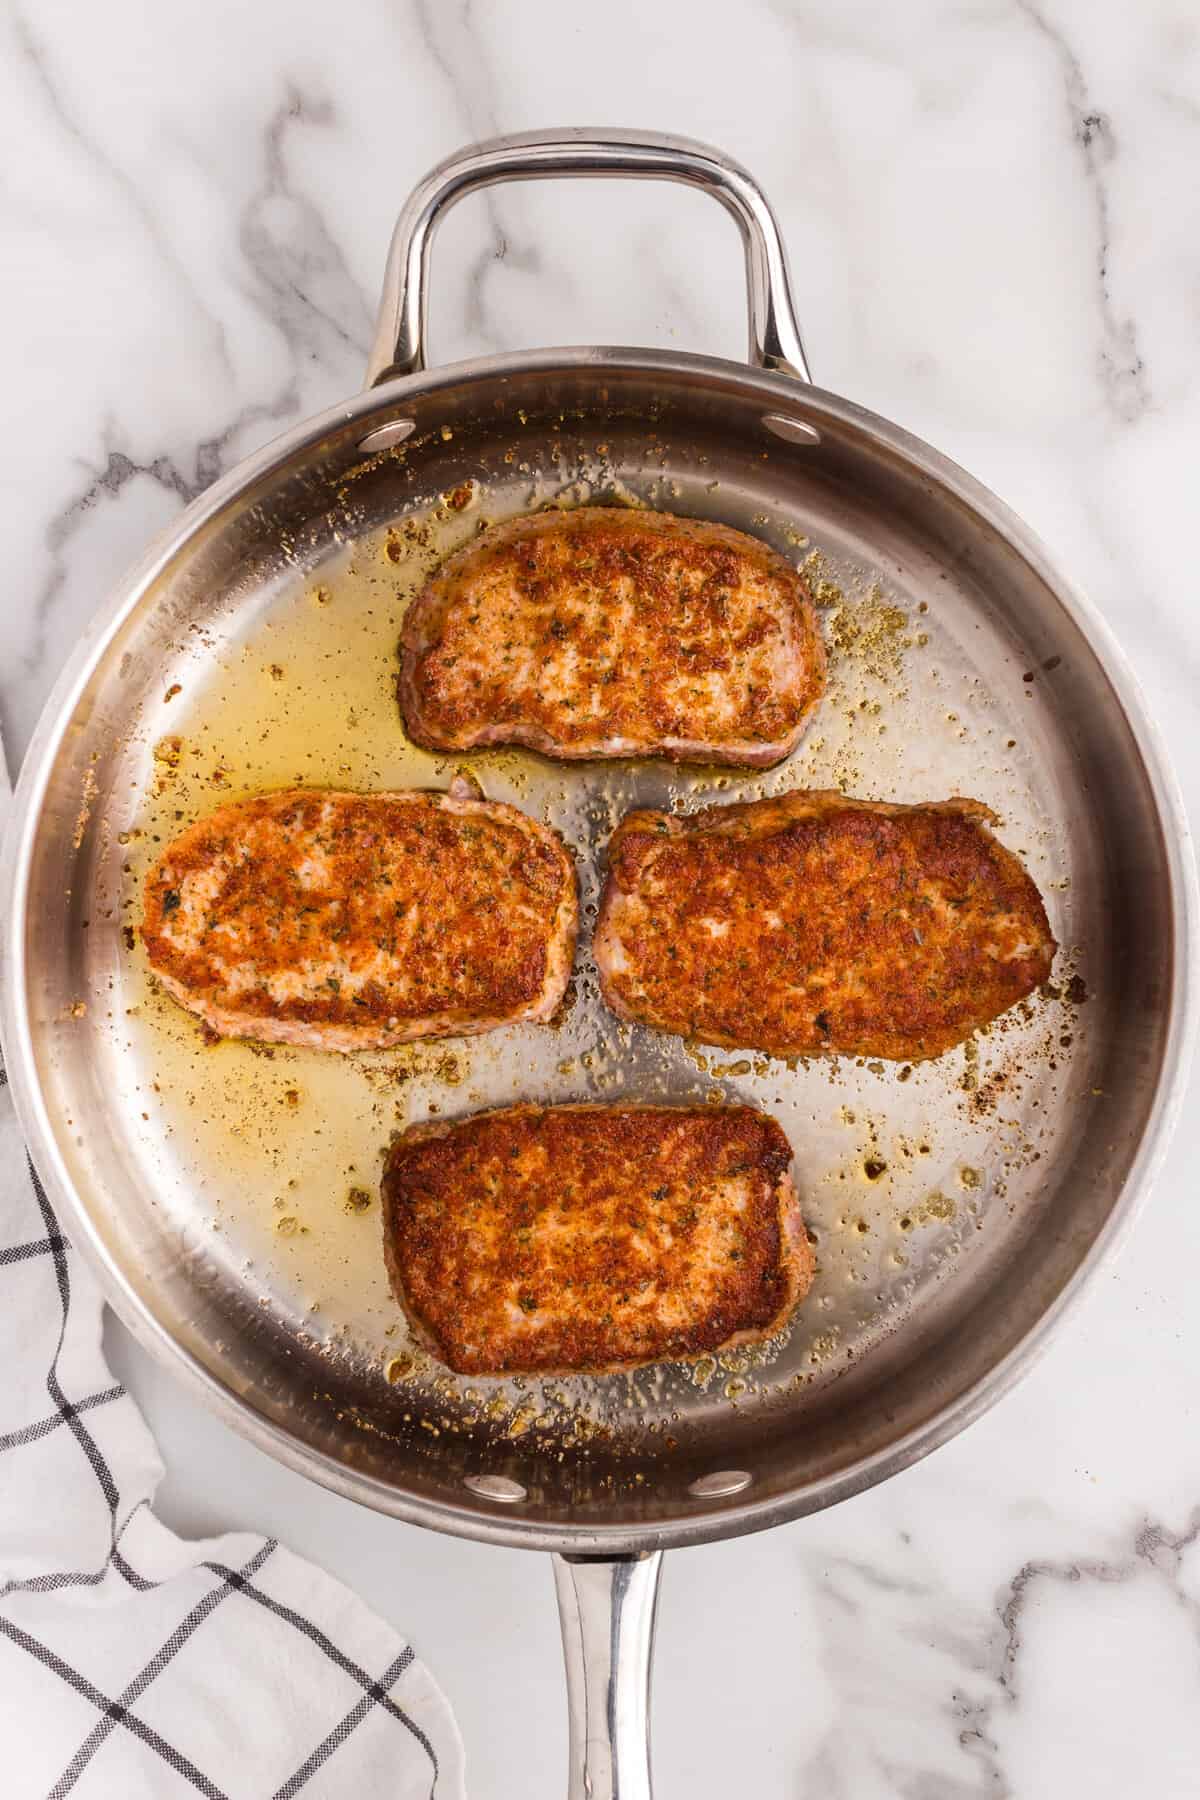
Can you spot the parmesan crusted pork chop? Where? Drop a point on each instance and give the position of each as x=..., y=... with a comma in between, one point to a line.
x=815, y=923
x=613, y=632
x=353, y=921
x=593, y=1238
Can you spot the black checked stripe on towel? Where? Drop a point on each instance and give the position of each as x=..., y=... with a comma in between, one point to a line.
x=119, y=1711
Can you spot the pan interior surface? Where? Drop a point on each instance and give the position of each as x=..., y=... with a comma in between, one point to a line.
x=232, y=1191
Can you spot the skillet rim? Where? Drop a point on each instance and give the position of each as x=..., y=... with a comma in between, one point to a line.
x=699, y=1524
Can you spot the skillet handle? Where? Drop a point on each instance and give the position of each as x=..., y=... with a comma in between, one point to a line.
x=606, y=1607
x=400, y=338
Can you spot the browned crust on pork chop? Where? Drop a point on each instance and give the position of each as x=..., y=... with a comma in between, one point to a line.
x=609, y=631
x=593, y=1238
x=350, y=921
x=813, y=923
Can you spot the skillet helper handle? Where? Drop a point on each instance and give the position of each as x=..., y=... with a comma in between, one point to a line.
x=606, y=1607
x=400, y=341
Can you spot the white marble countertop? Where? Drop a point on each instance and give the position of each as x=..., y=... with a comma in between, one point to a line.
x=994, y=221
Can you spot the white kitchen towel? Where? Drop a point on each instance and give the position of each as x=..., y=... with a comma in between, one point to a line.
x=135, y=1664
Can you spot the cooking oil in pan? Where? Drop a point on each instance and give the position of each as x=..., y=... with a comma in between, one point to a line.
x=899, y=1168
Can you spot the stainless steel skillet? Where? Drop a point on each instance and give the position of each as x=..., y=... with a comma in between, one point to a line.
x=225, y=1197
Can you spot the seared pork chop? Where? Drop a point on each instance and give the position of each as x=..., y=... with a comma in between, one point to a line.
x=350, y=921
x=613, y=632
x=814, y=923
x=593, y=1237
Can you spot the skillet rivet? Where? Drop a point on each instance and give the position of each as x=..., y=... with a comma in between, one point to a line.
x=496, y=1487
x=384, y=436
x=794, y=431
x=720, y=1483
